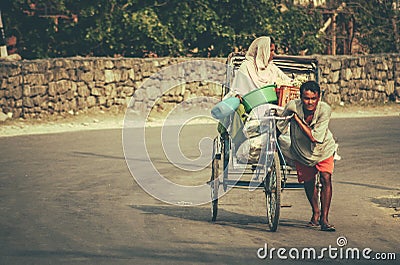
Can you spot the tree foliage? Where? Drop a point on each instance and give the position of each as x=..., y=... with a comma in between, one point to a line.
x=61, y=28
x=377, y=24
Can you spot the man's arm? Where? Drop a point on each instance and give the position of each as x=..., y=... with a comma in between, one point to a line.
x=282, y=125
x=304, y=128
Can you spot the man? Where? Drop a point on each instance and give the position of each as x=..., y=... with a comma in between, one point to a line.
x=312, y=148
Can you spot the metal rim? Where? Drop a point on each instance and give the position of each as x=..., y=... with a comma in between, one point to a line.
x=272, y=188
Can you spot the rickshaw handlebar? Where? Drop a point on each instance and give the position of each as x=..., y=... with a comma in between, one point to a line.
x=279, y=118
x=285, y=117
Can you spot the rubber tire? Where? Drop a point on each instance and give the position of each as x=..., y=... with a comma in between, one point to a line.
x=214, y=184
x=225, y=159
x=272, y=189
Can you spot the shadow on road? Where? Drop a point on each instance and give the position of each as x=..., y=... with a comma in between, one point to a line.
x=368, y=185
x=225, y=218
x=86, y=154
x=129, y=159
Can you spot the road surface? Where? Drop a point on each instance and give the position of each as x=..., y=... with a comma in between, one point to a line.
x=70, y=198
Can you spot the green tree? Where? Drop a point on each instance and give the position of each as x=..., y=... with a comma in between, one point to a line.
x=58, y=28
x=377, y=24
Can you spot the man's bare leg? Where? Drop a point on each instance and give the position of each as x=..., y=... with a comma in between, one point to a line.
x=326, y=197
x=312, y=196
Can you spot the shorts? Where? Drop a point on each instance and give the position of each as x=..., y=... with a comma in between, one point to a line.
x=307, y=173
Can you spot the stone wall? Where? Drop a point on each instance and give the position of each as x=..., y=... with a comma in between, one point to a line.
x=66, y=86
x=368, y=78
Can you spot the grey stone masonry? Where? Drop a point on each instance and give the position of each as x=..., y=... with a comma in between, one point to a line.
x=62, y=86
x=357, y=79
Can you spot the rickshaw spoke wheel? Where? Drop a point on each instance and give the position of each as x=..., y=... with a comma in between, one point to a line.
x=272, y=189
x=214, y=183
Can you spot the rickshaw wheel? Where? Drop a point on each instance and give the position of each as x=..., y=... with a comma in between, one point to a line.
x=272, y=189
x=214, y=183
x=225, y=159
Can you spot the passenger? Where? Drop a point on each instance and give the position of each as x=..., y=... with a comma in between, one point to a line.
x=256, y=71
x=312, y=148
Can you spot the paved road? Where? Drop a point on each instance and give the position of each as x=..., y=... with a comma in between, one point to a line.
x=70, y=199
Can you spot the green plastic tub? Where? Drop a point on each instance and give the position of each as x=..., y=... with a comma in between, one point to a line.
x=263, y=95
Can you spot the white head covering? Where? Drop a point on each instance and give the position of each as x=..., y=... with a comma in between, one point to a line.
x=256, y=71
x=257, y=58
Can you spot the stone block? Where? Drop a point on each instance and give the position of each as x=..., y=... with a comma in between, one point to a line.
x=347, y=74
x=108, y=64
x=124, y=75
x=69, y=64
x=397, y=91
x=11, y=70
x=83, y=90
x=38, y=90
x=17, y=92
x=380, y=88
x=60, y=74
x=3, y=84
x=334, y=76
x=3, y=102
x=141, y=107
x=382, y=66
x=131, y=74
x=362, y=61
x=17, y=113
x=99, y=75
x=37, y=100
x=91, y=101
x=81, y=103
x=28, y=102
x=139, y=95
x=127, y=91
x=110, y=90
x=98, y=91
x=344, y=91
x=353, y=63
x=14, y=81
x=389, y=88
x=357, y=72
x=153, y=92
x=101, y=100
x=381, y=75
x=353, y=91
x=10, y=103
x=117, y=75
x=85, y=76
x=109, y=76
x=49, y=76
x=70, y=94
x=335, y=65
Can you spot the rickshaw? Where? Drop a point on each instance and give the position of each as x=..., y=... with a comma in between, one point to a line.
x=271, y=170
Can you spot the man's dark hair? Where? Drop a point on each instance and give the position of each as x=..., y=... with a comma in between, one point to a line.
x=311, y=86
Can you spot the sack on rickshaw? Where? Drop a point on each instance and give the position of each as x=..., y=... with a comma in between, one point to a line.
x=249, y=150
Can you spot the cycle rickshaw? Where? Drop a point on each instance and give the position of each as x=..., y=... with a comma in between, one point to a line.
x=271, y=170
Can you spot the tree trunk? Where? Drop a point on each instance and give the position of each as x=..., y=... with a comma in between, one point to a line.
x=396, y=32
